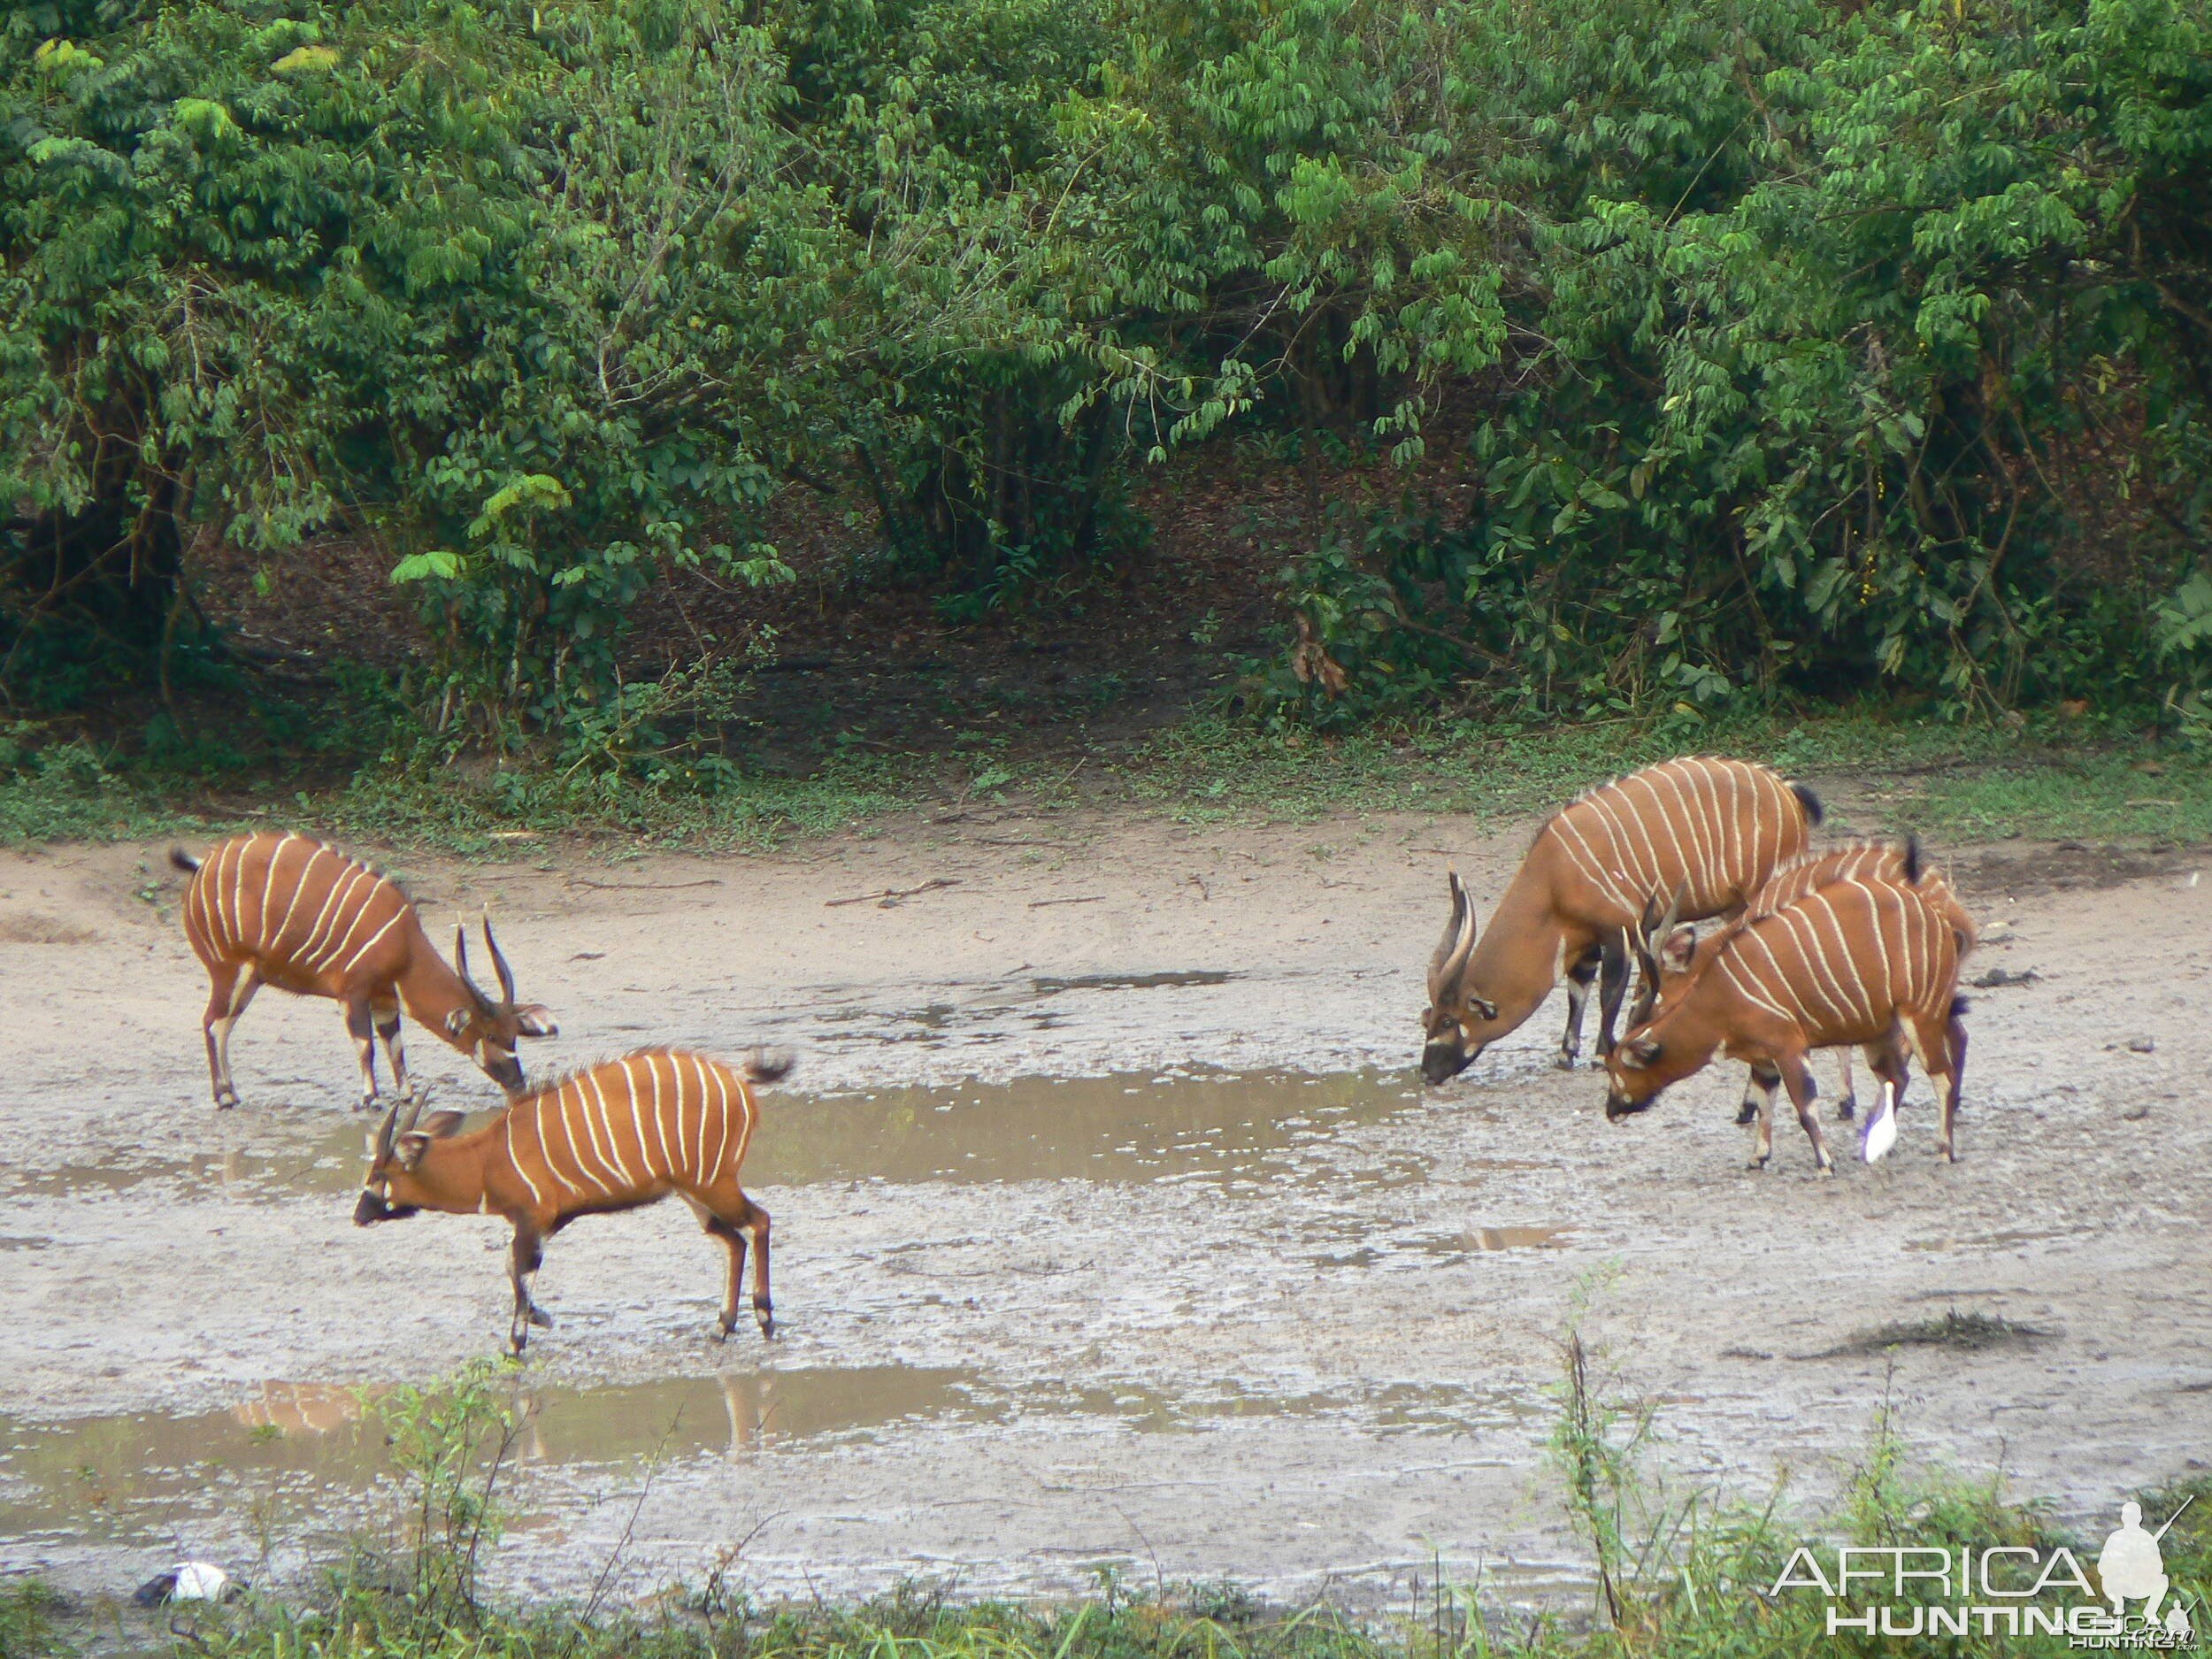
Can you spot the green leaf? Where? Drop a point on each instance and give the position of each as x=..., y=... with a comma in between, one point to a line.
x=422, y=566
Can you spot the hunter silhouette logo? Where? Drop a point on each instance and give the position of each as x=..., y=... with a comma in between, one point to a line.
x=2132, y=1568
x=2005, y=1589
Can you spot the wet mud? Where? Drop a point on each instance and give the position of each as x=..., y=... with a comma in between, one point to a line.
x=1117, y=1233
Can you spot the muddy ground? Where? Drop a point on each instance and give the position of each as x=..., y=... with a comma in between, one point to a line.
x=1240, y=1301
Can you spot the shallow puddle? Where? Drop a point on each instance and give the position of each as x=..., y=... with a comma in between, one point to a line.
x=297, y=1455
x=1125, y=1128
x=1107, y=1129
x=294, y=1444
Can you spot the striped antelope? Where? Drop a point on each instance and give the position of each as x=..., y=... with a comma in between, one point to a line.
x=1707, y=829
x=1668, y=954
x=276, y=910
x=621, y=1135
x=1863, y=961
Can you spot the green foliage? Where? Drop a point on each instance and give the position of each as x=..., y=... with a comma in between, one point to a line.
x=27, y=1613
x=1778, y=344
x=1853, y=347
x=450, y=1444
x=524, y=288
x=57, y=791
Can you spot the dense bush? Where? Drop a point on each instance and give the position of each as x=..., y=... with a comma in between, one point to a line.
x=1779, y=342
x=1855, y=346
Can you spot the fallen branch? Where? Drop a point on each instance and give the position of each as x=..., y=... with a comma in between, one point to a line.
x=889, y=897
x=641, y=887
x=1038, y=905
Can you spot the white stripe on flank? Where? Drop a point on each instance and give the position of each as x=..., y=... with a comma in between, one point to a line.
x=1670, y=808
x=370, y=943
x=1725, y=786
x=1587, y=859
x=211, y=878
x=591, y=1133
x=606, y=1122
x=722, y=1096
x=1760, y=860
x=1709, y=825
x=1674, y=820
x=1850, y=950
x=1891, y=956
x=237, y=850
x=194, y=920
x=1612, y=856
x=1921, y=967
x=745, y=1128
x=334, y=904
x=348, y=914
x=360, y=914
x=556, y=1107
x=1749, y=988
x=299, y=885
x=667, y=1165
x=1823, y=973
x=1648, y=873
x=1840, y=960
x=1713, y=790
x=637, y=1119
x=699, y=1155
x=536, y=1197
x=1689, y=814
x=1774, y=979
x=268, y=889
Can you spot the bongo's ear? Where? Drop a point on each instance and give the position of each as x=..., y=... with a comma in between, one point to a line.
x=1639, y=1052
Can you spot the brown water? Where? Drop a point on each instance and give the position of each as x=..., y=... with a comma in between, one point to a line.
x=296, y=1457
x=293, y=1445
x=1125, y=1128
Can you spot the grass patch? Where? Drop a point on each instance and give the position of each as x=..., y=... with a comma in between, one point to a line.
x=70, y=792
x=2051, y=779
x=28, y=1610
x=1963, y=1333
x=1953, y=783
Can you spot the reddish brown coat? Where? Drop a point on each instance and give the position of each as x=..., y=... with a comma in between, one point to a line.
x=1862, y=960
x=1706, y=829
x=619, y=1135
x=288, y=910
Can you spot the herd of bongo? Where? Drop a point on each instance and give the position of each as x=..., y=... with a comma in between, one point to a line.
x=1855, y=944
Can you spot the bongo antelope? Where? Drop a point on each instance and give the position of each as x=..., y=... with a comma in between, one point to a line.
x=285, y=910
x=1863, y=960
x=620, y=1135
x=1668, y=954
x=1709, y=830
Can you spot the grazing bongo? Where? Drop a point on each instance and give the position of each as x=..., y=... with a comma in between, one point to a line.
x=621, y=1135
x=1669, y=956
x=285, y=910
x=1708, y=830
x=1863, y=961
